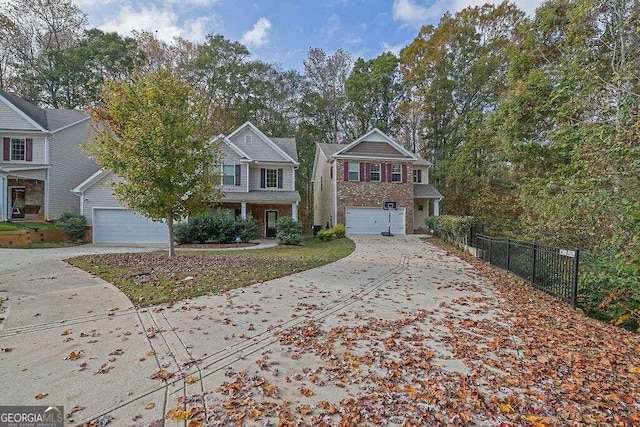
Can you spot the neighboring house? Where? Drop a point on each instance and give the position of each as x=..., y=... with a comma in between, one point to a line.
x=41, y=159
x=353, y=182
x=257, y=176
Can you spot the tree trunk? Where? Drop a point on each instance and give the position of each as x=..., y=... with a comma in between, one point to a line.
x=172, y=251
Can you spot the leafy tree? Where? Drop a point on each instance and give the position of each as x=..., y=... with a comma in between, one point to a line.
x=156, y=137
x=40, y=29
x=374, y=89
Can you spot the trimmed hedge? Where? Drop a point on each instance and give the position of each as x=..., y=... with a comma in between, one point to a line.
x=288, y=231
x=454, y=229
x=217, y=227
x=335, y=232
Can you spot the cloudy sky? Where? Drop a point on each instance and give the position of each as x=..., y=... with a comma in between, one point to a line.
x=282, y=31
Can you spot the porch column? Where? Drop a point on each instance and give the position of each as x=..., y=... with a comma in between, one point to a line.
x=294, y=211
x=243, y=210
x=436, y=207
x=3, y=198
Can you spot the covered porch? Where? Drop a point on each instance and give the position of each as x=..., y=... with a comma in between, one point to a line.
x=426, y=203
x=266, y=207
x=23, y=194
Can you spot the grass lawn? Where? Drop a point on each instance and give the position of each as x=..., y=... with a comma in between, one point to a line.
x=153, y=278
x=17, y=226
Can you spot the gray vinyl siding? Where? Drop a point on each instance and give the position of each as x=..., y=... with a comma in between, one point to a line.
x=323, y=194
x=39, y=174
x=232, y=158
x=39, y=144
x=69, y=167
x=287, y=177
x=10, y=119
x=100, y=195
x=257, y=149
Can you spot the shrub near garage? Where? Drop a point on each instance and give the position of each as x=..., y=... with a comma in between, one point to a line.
x=73, y=226
x=336, y=232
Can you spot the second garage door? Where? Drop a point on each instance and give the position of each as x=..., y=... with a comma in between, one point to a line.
x=375, y=220
x=121, y=226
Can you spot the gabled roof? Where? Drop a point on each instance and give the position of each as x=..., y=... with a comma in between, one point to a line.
x=329, y=149
x=90, y=182
x=231, y=145
x=286, y=156
x=50, y=119
x=422, y=162
x=288, y=145
x=374, y=136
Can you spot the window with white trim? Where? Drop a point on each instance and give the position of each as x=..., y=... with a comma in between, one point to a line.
x=18, y=149
x=226, y=173
x=271, y=178
x=375, y=172
x=354, y=171
x=396, y=173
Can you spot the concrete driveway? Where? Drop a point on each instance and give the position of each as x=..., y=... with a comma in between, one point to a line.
x=294, y=346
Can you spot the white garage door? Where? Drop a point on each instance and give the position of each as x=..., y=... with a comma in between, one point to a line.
x=375, y=220
x=124, y=226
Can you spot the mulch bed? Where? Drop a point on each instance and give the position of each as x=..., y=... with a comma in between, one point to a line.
x=215, y=245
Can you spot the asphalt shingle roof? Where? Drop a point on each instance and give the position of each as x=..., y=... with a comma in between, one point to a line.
x=51, y=118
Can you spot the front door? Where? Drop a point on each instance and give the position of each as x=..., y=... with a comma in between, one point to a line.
x=17, y=202
x=272, y=217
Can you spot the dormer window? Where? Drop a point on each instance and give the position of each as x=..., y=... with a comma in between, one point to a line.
x=18, y=149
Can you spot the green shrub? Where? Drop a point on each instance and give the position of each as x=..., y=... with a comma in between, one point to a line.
x=73, y=226
x=454, y=229
x=199, y=228
x=246, y=229
x=182, y=233
x=221, y=227
x=336, y=232
x=288, y=231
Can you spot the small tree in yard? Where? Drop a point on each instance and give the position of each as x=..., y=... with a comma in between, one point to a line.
x=154, y=132
x=288, y=231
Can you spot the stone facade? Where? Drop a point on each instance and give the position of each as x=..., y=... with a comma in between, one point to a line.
x=374, y=194
x=34, y=197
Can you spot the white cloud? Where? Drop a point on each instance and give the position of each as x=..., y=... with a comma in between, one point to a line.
x=416, y=12
x=332, y=27
x=395, y=49
x=410, y=12
x=257, y=36
x=163, y=22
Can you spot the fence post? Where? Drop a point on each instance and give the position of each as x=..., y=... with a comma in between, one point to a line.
x=508, y=254
x=533, y=262
x=491, y=250
x=576, y=264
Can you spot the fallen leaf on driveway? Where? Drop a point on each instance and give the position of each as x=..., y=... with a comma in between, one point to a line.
x=74, y=410
x=161, y=374
x=65, y=332
x=74, y=355
x=191, y=379
x=6, y=349
x=40, y=396
x=104, y=368
x=306, y=392
x=150, y=405
x=178, y=414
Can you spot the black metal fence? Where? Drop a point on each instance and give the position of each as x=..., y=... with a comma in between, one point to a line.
x=473, y=232
x=552, y=270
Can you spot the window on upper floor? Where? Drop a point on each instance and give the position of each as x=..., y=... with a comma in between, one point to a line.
x=375, y=172
x=354, y=171
x=18, y=149
x=417, y=176
x=271, y=178
x=396, y=173
x=226, y=173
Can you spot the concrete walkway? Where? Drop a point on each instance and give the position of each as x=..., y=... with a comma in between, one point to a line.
x=79, y=341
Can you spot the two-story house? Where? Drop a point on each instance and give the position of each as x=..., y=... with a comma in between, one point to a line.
x=372, y=185
x=257, y=176
x=41, y=159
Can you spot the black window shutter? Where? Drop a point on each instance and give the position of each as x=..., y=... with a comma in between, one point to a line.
x=280, y=176
x=6, y=149
x=263, y=178
x=238, y=174
x=28, y=155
